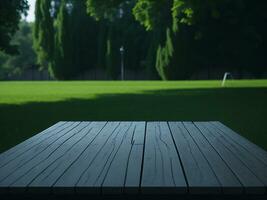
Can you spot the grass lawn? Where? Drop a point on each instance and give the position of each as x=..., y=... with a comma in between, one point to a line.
x=29, y=107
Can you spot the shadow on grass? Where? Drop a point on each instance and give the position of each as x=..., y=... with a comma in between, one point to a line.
x=242, y=109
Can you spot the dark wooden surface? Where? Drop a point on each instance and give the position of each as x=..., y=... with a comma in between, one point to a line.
x=135, y=158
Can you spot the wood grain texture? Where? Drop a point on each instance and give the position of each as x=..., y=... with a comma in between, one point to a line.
x=200, y=175
x=258, y=168
x=134, y=165
x=114, y=177
x=45, y=174
x=34, y=155
x=30, y=143
x=93, y=177
x=229, y=182
x=68, y=181
x=252, y=148
x=250, y=182
x=135, y=158
x=162, y=171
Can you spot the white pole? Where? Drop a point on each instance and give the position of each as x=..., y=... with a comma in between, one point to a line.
x=224, y=78
x=122, y=63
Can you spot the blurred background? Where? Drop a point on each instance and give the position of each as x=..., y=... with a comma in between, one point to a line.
x=132, y=39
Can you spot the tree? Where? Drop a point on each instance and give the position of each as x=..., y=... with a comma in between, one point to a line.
x=26, y=57
x=122, y=30
x=43, y=33
x=103, y=9
x=205, y=35
x=155, y=16
x=3, y=70
x=75, y=41
x=175, y=38
x=10, y=15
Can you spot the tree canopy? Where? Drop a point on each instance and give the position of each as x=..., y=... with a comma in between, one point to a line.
x=43, y=32
x=206, y=34
x=10, y=15
x=172, y=38
x=26, y=57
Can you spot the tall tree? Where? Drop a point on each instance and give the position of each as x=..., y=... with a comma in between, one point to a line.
x=205, y=35
x=75, y=41
x=10, y=15
x=43, y=32
x=122, y=30
x=155, y=16
x=178, y=37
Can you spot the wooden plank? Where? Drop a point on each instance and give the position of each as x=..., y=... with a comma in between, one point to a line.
x=134, y=165
x=67, y=182
x=250, y=182
x=36, y=155
x=131, y=157
x=200, y=175
x=134, y=169
x=258, y=152
x=30, y=143
x=257, y=167
x=229, y=182
x=139, y=133
x=162, y=171
x=93, y=177
x=114, y=176
x=43, y=175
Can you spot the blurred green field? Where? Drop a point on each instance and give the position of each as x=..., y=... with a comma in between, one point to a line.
x=29, y=107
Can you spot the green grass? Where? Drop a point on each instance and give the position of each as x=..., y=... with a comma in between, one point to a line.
x=29, y=107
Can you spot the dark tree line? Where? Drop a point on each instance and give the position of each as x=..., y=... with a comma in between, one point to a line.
x=16, y=52
x=204, y=34
x=172, y=38
x=71, y=42
x=10, y=15
x=24, y=59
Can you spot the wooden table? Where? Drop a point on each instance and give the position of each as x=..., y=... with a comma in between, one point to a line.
x=135, y=158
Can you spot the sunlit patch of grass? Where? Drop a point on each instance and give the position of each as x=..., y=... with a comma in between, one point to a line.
x=25, y=92
x=29, y=107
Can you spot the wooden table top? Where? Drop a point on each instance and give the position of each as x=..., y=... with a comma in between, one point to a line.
x=135, y=158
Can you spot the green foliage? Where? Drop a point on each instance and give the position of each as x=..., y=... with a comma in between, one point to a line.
x=10, y=15
x=218, y=34
x=144, y=12
x=151, y=13
x=103, y=9
x=43, y=33
x=26, y=57
x=66, y=43
x=75, y=43
x=119, y=28
x=164, y=55
x=3, y=70
x=234, y=36
x=174, y=38
x=181, y=13
x=60, y=66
